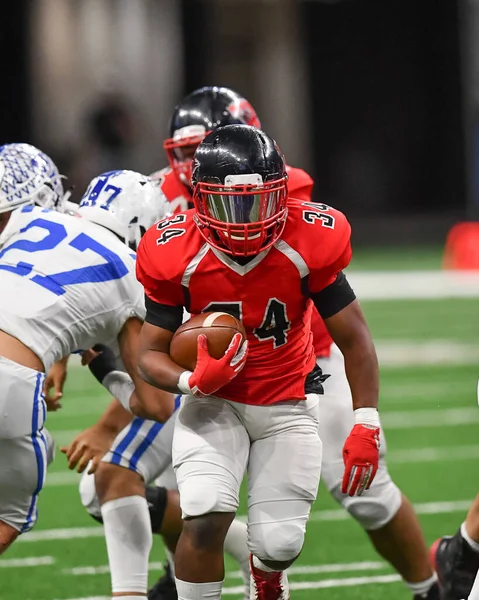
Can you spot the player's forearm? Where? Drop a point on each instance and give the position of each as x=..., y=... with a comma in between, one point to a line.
x=362, y=371
x=157, y=369
x=350, y=332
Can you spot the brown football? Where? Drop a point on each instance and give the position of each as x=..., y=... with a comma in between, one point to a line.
x=218, y=327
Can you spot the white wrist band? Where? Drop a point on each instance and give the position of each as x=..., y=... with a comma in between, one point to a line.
x=183, y=384
x=367, y=416
x=120, y=385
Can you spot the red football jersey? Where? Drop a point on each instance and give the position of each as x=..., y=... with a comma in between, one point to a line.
x=269, y=294
x=300, y=187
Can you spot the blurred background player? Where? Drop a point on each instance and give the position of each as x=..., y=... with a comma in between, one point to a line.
x=65, y=283
x=384, y=512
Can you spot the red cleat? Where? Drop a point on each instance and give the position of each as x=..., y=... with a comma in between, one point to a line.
x=268, y=586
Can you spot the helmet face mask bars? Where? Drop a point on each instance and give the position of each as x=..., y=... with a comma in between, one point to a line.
x=240, y=190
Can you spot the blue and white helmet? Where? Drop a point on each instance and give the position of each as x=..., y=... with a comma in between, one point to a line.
x=28, y=176
x=125, y=202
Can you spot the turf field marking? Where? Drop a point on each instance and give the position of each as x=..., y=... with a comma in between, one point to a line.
x=426, y=508
x=303, y=585
x=404, y=353
x=299, y=570
x=73, y=533
x=419, y=455
x=29, y=561
x=420, y=419
x=413, y=285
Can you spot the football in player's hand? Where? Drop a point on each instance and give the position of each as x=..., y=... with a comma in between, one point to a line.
x=219, y=329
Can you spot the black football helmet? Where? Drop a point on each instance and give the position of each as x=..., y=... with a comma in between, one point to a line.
x=195, y=116
x=239, y=190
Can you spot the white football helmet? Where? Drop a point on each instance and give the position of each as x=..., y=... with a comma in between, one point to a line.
x=28, y=176
x=125, y=202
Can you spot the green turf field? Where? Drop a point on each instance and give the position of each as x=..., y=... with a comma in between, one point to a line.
x=431, y=418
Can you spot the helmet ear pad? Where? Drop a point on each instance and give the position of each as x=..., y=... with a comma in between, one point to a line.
x=240, y=190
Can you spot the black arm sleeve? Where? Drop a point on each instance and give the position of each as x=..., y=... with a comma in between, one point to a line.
x=334, y=298
x=163, y=315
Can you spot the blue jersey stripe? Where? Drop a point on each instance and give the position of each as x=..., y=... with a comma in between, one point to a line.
x=38, y=452
x=126, y=441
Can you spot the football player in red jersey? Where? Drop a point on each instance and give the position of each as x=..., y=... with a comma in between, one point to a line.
x=249, y=250
x=385, y=513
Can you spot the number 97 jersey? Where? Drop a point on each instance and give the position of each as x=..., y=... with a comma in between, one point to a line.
x=66, y=283
x=270, y=294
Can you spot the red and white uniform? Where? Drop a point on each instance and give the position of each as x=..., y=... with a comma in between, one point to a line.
x=376, y=508
x=261, y=422
x=267, y=293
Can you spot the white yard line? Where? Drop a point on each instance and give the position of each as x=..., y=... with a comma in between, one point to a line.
x=419, y=419
x=29, y=561
x=443, y=454
x=427, y=508
x=302, y=585
x=300, y=570
x=407, y=353
x=413, y=285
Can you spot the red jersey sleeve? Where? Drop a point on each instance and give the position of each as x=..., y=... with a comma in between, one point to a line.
x=332, y=252
x=158, y=285
x=300, y=184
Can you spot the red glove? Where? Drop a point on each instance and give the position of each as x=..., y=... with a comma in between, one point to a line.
x=361, y=456
x=211, y=374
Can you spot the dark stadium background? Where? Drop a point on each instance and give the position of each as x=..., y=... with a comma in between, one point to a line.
x=372, y=97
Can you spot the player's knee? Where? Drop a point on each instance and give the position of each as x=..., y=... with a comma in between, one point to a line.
x=279, y=543
x=114, y=481
x=208, y=532
x=197, y=499
x=377, y=506
x=89, y=497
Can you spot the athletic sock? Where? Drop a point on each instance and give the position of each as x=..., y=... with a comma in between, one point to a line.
x=472, y=543
x=198, y=591
x=128, y=541
x=421, y=588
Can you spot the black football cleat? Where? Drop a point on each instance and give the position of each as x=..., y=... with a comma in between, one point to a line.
x=164, y=588
x=432, y=594
x=456, y=565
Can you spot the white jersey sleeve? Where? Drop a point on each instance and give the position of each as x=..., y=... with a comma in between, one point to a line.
x=66, y=283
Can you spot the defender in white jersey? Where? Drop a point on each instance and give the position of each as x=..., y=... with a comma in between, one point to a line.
x=66, y=284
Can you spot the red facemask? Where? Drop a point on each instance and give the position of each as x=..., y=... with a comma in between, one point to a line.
x=244, y=219
x=180, y=150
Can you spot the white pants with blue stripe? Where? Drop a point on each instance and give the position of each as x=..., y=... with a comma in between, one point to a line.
x=24, y=444
x=142, y=446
